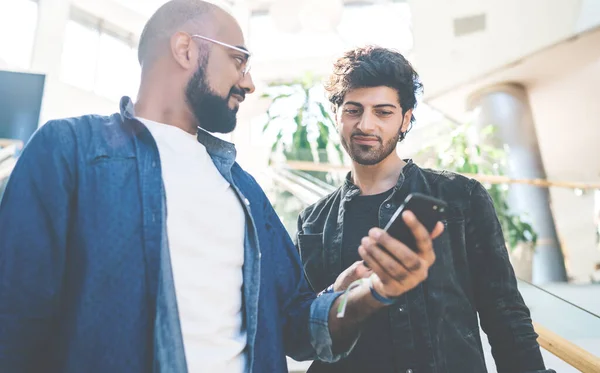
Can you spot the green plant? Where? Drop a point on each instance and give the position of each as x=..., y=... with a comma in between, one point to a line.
x=461, y=155
x=303, y=130
x=304, y=126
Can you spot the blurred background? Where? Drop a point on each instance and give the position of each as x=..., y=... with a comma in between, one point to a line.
x=511, y=97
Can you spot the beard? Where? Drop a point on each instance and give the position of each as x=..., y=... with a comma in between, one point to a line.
x=211, y=110
x=369, y=155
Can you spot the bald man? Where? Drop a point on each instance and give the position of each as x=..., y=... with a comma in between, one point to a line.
x=135, y=243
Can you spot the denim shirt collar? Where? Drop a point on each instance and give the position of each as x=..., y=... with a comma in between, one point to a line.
x=223, y=152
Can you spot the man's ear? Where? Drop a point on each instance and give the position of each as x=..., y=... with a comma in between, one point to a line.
x=183, y=51
x=406, y=120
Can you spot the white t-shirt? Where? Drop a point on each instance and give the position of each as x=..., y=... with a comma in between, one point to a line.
x=205, y=228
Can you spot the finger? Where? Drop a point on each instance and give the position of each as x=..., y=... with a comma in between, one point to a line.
x=396, y=249
x=407, y=280
x=376, y=267
x=439, y=229
x=422, y=236
x=386, y=259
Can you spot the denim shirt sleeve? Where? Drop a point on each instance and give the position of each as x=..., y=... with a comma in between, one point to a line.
x=306, y=317
x=319, y=329
x=33, y=232
x=504, y=316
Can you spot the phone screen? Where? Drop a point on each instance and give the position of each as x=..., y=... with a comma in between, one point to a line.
x=428, y=211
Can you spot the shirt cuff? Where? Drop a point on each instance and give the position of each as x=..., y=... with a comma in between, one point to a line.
x=320, y=337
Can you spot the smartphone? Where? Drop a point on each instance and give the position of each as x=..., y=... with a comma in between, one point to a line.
x=428, y=211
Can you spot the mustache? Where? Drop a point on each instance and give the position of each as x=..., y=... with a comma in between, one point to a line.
x=237, y=91
x=362, y=134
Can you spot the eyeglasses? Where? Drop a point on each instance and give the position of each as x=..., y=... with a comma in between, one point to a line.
x=246, y=64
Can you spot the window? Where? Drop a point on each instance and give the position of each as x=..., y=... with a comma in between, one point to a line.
x=387, y=24
x=99, y=59
x=80, y=55
x=18, y=24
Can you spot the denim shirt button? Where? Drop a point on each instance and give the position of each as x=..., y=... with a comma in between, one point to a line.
x=401, y=309
x=388, y=205
x=409, y=371
x=246, y=202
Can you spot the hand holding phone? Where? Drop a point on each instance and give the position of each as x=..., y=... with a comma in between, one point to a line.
x=397, y=266
x=428, y=211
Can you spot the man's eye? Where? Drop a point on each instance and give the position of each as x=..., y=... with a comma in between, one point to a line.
x=351, y=111
x=240, y=60
x=385, y=113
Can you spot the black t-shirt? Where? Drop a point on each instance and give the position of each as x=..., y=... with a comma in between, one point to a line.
x=373, y=352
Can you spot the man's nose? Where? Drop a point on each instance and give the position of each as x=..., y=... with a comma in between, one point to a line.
x=247, y=84
x=367, y=123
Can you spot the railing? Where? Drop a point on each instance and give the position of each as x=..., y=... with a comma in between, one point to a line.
x=565, y=329
x=568, y=352
x=8, y=150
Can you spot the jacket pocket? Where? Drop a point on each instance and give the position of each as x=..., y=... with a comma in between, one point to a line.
x=310, y=247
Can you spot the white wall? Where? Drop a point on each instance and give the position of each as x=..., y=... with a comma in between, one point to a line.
x=566, y=111
x=60, y=98
x=514, y=29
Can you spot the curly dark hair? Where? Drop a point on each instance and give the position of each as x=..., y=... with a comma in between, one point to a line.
x=373, y=66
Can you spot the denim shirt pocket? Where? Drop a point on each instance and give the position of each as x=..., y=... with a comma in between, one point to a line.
x=310, y=246
x=107, y=184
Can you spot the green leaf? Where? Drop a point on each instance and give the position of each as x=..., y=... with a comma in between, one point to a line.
x=280, y=97
x=325, y=114
x=268, y=123
x=277, y=141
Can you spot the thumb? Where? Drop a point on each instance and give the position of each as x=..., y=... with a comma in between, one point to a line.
x=363, y=271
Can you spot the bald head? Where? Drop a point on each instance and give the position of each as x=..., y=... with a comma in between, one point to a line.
x=194, y=66
x=173, y=16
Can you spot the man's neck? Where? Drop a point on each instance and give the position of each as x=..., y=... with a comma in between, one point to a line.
x=165, y=109
x=377, y=178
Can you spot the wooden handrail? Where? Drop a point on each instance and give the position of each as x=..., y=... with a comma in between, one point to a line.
x=7, y=142
x=492, y=179
x=8, y=147
x=570, y=353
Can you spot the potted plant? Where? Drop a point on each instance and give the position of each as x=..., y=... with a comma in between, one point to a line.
x=462, y=154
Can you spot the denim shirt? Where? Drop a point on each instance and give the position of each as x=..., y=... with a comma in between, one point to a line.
x=86, y=283
x=435, y=326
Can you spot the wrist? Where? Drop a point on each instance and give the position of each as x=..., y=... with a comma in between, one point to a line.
x=380, y=296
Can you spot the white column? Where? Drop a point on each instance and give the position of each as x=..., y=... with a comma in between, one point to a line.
x=47, y=51
x=507, y=108
x=53, y=16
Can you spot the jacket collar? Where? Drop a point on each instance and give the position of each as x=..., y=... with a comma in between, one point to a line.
x=350, y=190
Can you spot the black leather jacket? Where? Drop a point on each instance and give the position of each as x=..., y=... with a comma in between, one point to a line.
x=435, y=326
